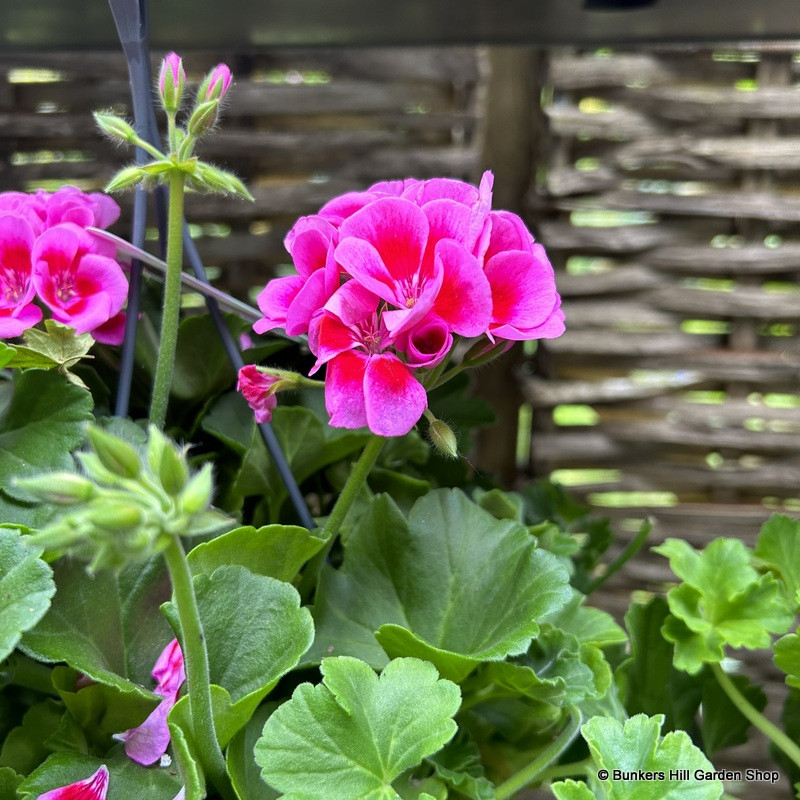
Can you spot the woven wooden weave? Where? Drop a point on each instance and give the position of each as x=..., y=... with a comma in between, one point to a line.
x=300, y=127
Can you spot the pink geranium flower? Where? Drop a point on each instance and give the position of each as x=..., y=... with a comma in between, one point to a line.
x=94, y=787
x=366, y=383
x=17, y=310
x=146, y=743
x=84, y=288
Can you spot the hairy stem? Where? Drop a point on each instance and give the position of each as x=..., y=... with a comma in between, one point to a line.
x=623, y=558
x=198, y=680
x=533, y=771
x=754, y=716
x=172, y=303
x=357, y=479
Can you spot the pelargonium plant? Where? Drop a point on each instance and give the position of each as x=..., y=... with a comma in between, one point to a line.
x=176, y=625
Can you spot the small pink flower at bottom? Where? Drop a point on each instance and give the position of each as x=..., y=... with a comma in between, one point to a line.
x=146, y=743
x=259, y=391
x=93, y=788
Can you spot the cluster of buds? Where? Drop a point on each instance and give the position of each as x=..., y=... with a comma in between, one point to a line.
x=127, y=506
x=181, y=140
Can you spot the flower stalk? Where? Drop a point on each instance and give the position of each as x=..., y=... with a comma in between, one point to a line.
x=198, y=679
x=172, y=302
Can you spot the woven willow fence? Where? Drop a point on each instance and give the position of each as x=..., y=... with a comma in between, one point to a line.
x=300, y=127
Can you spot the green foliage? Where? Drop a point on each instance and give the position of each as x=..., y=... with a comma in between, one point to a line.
x=722, y=601
x=637, y=745
x=450, y=584
x=364, y=729
x=26, y=586
x=778, y=547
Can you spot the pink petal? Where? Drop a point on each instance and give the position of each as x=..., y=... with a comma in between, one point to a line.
x=340, y=208
x=383, y=244
x=255, y=387
x=181, y=794
x=426, y=344
x=106, y=210
x=93, y=788
x=523, y=288
x=465, y=299
x=149, y=741
x=551, y=328
x=274, y=301
x=111, y=332
x=331, y=338
x=352, y=303
x=344, y=390
x=508, y=232
x=310, y=299
x=407, y=188
x=308, y=243
x=169, y=670
x=394, y=398
x=16, y=320
x=16, y=265
x=448, y=188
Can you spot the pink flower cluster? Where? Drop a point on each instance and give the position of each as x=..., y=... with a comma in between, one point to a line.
x=387, y=278
x=146, y=743
x=46, y=254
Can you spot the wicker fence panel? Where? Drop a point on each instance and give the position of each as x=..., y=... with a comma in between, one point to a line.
x=301, y=126
x=669, y=203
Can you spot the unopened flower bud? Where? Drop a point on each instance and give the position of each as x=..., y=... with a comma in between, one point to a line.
x=115, y=127
x=115, y=515
x=216, y=84
x=62, y=488
x=173, y=471
x=126, y=178
x=197, y=494
x=170, y=82
x=115, y=455
x=203, y=118
x=443, y=439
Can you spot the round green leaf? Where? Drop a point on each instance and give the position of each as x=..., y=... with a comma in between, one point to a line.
x=362, y=729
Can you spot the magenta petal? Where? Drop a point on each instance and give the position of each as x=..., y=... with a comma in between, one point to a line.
x=448, y=220
x=310, y=299
x=397, y=230
x=508, y=232
x=361, y=260
x=426, y=344
x=96, y=271
x=344, y=390
x=14, y=321
x=111, y=332
x=340, y=208
x=308, y=243
x=465, y=299
x=395, y=399
x=274, y=301
x=169, y=670
x=94, y=787
x=149, y=741
x=331, y=337
x=523, y=288
x=551, y=328
x=352, y=303
x=448, y=188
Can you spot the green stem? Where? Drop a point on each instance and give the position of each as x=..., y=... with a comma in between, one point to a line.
x=536, y=768
x=195, y=659
x=565, y=770
x=626, y=555
x=754, y=716
x=172, y=303
x=357, y=478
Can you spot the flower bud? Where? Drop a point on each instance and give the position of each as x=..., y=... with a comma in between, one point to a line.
x=115, y=127
x=170, y=82
x=126, y=178
x=172, y=470
x=115, y=515
x=197, y=494
x=443, y=439
x=203, y=118
x=215, y=85
x=115, y=455
x=62, y=488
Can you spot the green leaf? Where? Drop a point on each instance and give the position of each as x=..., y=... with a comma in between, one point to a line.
x=9, y=780
x=277, y=551
x=127, y=779
x=723, y=601
x=245, y=773
x=25, y=746
x=588, y=625
x=787, y=658
x=636, y=745
x=57, y=344
x=41, y=426
x=778, y=546
x=652, y=684
x=459, y=765
x=6, y=355
x=363, y=729
x=255, y=631
x=572, y=790
x=723, y=725
x=26, y=586
x=557, y=670
x=185, y=752
x=107, y=627
x=465, y=586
